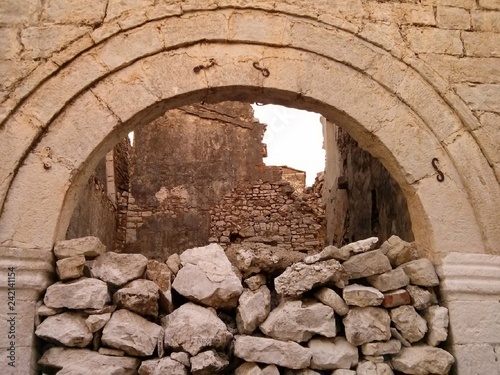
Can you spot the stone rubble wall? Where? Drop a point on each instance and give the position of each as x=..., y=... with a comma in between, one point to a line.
x=355, y=310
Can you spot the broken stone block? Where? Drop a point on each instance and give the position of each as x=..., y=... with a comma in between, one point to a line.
x=174, y=263
x=83, y=293
x=331, y=354
x=411, y=325
x=398, y=336
x=367, y=264
x=437, y=321
x=181, y=357
x=301, y=277
x=89, y=247
x=111, y=352
x=299, y=321
x=207, y=277
x=70, y=268
x=67, y=328
x=131, y=333
x=119, y=269
x=274, y=352
x=160, y=274
x=97, y=321
x=421, y=272
x=332, y=299
x=362, y=296
x=399, y=251
x=193, y=328
x=162, y=366
x=208, y=363
x=361, y=246
x=88, y=362
x=421, y=298
x=391, y=280
x=381, y=348
x=253, y=309
x=423, y=360
x=248, y=368
x=396, y=298
x=140, y=296
x=255, y=282
x=43, y=310
x=329, y=252
x=367, y=324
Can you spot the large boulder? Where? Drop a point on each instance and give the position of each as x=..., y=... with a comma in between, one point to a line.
x=253, y=309
x=207, y=277
x=367, y=324
x=192, y=328
x=83, y=293
x=131, y=333
x=68, y=328
x=301, y=277
x=140, y=296
x=299, y=321
x=119, y=269
x=331, y=354
x=162, y=366
x=275, y=352
x=89, y=247
x=423, y=360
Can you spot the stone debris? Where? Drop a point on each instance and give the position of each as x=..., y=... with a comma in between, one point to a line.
x=284, y=323
x=70, y=268
x=119, y=269
x=207, y=277
x=89, y=247
x=361, y=246
x=329, y=252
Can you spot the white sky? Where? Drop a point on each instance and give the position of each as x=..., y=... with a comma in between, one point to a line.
x=294, y=138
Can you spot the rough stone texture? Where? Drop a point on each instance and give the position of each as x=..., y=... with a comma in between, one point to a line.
x=399, y=251
x=90, y=247
x=79, y=294
x=328, y=354
x=181, y=357
x=253, y=309
x=174, y=263
x=367, y=264
x=421, y=272
x=367, y=324
x=111, y=352
x=139, y=296
x=119, y=269
x=192, y=328
x=76, y=361
x=97, y=321
x=131, y=333
x=208, y=278
x=67, y=328
x=329, y=252
x=371, y=368
x=361, y=246
x=299, y=321
x=270, y=370
x=411, y=325
x=301, y=277
x=248, y=368
x=381, y=348
x=162, y=366
x=362, y=296
x=344, y=372
x=255, y=282
x=396, y=298
x=392, y=280
x=423, y=360
x=208, y=363
x=263, y=350
x=161, y=274
x=421, y=298
x=437, y=323
x=70, y=268
x=330, y=298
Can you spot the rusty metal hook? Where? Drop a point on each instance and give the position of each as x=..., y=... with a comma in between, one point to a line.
x=440, y=175
x=265, y=72
x=199, y=68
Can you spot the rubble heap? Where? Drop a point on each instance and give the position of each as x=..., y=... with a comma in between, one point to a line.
x=356, y=310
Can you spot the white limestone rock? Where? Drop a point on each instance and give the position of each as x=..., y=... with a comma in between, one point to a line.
x=208, y=363
x=421, y=298
x=399, y=251
x=411, y=325
x=181, y=357
x=131, y=333
x=371, y=368
x=253, y=309
x=299, y=321
x=270, y=370
x=96, y=321
x=330, y=298
x=119, y=269
x=367, y=264
x=423, y=360
x=248, y=368
x=421, y=272
x=43, y=310
x=192, y=328
x=88, y=362
x=140, y=296
x=162, y=366
x=161, y=275
x=301, y=277
x=381, y=348
x=437, y=321
x=89, y=247
x=67, y=328
x=207, y=277
x=362, y=296
x=255, y=282
x=367, y=324
x=391, y=280
x=329, y=252
x=398, y=336
x=70, y=268
x=361, y=246
x=331, y=354
x=174, y=263
x=83, y=293
x=274, y=352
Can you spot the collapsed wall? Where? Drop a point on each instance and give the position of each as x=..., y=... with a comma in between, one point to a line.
x=252, y=309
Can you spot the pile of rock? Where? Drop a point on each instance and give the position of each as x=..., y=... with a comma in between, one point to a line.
x=348, y=311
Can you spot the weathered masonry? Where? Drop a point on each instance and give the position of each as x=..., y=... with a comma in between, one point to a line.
x=416, y=84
